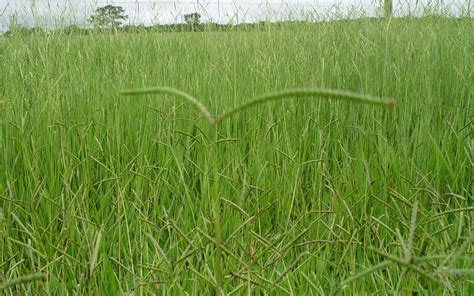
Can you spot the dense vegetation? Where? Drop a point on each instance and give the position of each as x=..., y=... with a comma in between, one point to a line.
x=101, y=192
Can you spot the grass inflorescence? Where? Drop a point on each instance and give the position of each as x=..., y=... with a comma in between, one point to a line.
x=284, y=94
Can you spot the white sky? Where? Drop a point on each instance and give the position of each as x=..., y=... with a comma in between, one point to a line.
x=53, y=12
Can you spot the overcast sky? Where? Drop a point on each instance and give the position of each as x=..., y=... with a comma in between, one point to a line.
x=51, y=12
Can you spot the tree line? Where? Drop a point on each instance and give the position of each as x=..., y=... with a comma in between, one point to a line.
x=113, y=18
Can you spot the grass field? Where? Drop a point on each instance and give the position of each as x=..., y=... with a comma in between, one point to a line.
x=102, y=193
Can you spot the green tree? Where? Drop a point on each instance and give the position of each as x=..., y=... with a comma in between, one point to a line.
x=108, y=16
x=193, y=19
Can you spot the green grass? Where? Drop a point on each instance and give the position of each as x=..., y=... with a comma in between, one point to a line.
x=102, y=192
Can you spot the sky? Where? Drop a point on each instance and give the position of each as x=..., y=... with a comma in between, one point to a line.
x=51, y=13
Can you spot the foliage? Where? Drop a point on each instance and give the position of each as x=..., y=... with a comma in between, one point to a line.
x=193, y=19
x=24, y=31
x=108, y=16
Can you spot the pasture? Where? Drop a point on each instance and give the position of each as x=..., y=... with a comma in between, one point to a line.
x=104, y=192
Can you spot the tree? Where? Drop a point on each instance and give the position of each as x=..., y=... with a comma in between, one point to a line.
x=108, y=16
x=192, y=19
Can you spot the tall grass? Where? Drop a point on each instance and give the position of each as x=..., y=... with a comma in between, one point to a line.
x=105, y=193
